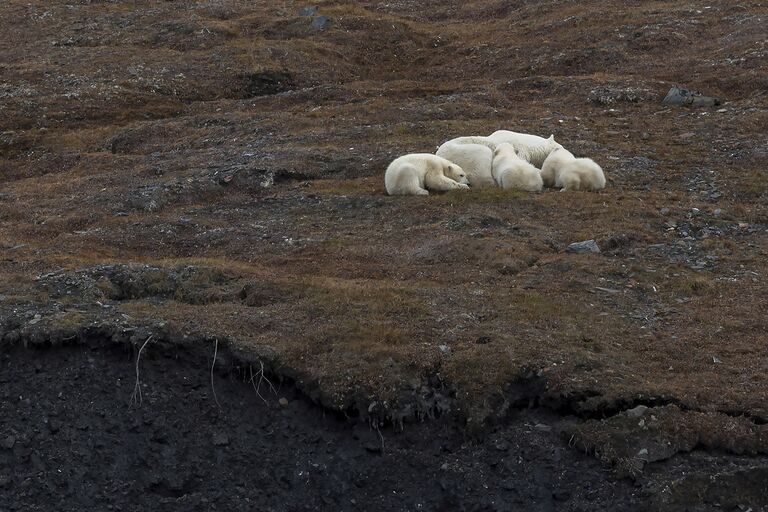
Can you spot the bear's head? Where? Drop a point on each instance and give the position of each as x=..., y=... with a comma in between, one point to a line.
x=553, y=143
x=456, y=173
x=505, y=148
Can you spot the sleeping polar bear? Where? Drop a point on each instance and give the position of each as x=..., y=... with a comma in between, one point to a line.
x=417, y=173
x=562, y=169
x=475, y=159
x=531, y=148
x=511, y=171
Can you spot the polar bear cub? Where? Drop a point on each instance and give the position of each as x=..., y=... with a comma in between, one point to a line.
x=563, y=170
x=532, y=148
x=511, y=171
x=417, y=173
x=475, y=159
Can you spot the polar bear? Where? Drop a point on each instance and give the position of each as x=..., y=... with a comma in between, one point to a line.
x=531, y=148
x=473, y=139
x=417, y=173
x=563, y=170
x=511, y=171
x=474, y=159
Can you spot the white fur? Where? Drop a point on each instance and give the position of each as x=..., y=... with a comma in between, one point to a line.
x=563, y=170
x=511, y=171
x=474, y=139
x=417, y=173
x=474, y=159
x=532, y=148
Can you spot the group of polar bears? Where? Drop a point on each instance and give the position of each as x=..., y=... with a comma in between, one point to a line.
x=505, y=159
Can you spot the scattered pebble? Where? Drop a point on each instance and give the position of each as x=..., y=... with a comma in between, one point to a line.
x=283, y=402
x=8, y=442
x=308, y=11
x=502, y=445
x=585, y=246
x=220, y=439
x=636, y=412
x=541, y=427
x=320, y=22
x=445, y=349
x=679, y=96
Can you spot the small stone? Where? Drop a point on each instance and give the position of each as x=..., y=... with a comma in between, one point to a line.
x=637, y=411
x=585, y=246
x=308, y=11
x=743, y=225
x=8, y=442
x=320, y=22
x=283, y=402
x=444, y=349
x=718, y=212
x=643, y=452
x=664, y=211
x=716, y=360
x=542, y=427
x=220, y=439
x=444, y=467
x=502, y=445
x=679, y=96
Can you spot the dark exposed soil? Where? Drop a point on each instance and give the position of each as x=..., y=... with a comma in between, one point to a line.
x=72, y=439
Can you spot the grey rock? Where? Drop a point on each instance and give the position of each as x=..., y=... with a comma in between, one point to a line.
x=637, y=411
x=220, y=439
x=679, y=96
x=585, y=246
x=445, y=349
x=502, y=445
x=664, y=211
x=308, y=11
x=8, y=442
x=320, y=22
x=541, y=427
x=283, y=402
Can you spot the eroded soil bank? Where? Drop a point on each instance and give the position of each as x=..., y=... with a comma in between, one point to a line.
x=71, y=439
